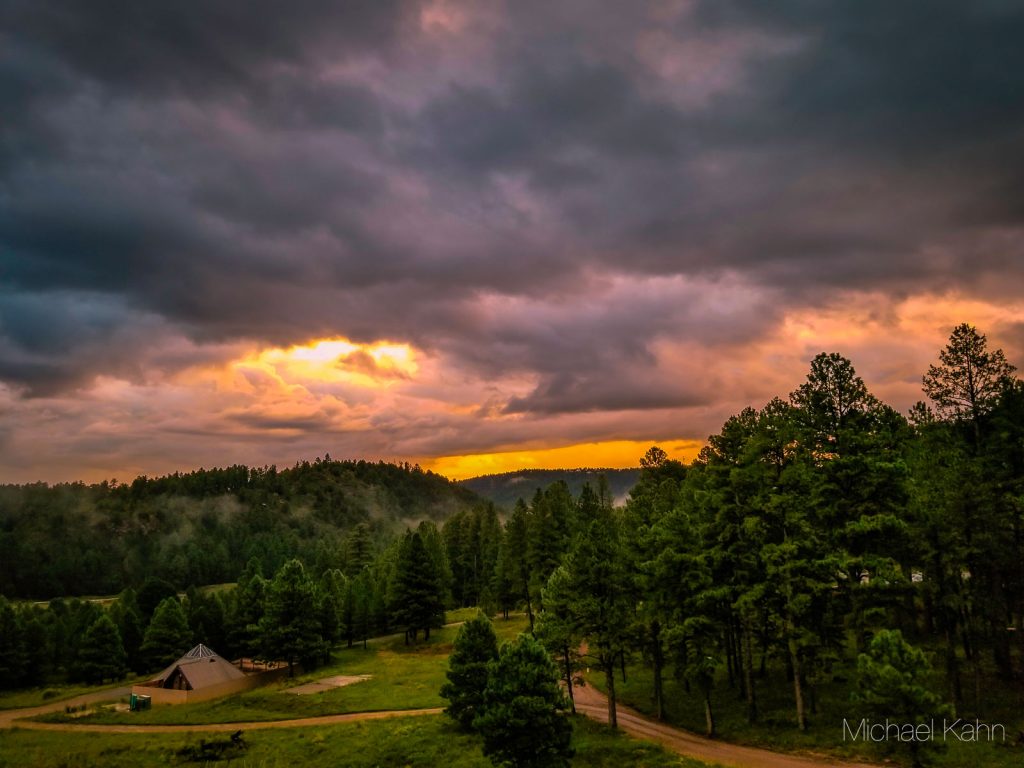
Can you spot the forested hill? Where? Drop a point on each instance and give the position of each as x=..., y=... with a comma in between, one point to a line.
x=202, y=527
x=505, y=489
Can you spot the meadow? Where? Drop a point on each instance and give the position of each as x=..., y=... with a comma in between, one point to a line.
x=402, y=677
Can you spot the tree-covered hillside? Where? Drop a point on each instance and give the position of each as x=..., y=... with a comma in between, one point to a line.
x=508, y=487
x=203, y=527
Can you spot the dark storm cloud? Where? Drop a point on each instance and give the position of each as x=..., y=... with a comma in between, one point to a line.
x=162, y=47
x=282, y=172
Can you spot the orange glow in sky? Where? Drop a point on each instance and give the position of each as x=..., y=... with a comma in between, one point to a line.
x=612, y=454
x=335, y=360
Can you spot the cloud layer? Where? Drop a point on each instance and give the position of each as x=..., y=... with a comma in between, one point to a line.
x=585, y=227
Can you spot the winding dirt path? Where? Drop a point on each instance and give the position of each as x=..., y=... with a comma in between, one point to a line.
x=302, y=722
x=589, y=702
x=16, y=718
x=594, y=704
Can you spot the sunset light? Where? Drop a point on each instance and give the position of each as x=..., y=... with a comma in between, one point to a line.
x=335, y=360
x=448, y=375
x=611, y=454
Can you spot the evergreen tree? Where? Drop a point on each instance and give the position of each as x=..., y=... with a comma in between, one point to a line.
x=516, y=563
x=969, y=379
x=434, y=545
x=557, y=631
x=167, y=636
x=654, y=497
x=126, y=617
x=101, y=655
x=503, y=586
x=151, y=594
x=891, y=685
x=358, y=550
x=475, y=646
x=591, y=598
x=13, y=653
x=290, y=627
x=244, y=611
x=415, y=594
x=522, y=723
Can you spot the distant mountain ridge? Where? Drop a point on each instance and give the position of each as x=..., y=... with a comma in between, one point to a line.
x=505, y=488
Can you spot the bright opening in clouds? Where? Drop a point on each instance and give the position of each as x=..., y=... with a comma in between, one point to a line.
x=485, y=235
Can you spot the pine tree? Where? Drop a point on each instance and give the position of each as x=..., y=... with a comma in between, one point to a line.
x=244, y=613
x=290, y=627
x=522, y=723
x=475, y=646
x=13, y=653
x=592, y=598
x=969, y=379
x=167, y=636
x=101, y=654
x=415, y=593
x=891, y=684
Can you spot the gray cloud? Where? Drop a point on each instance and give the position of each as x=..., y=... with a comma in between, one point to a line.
x=277, y=173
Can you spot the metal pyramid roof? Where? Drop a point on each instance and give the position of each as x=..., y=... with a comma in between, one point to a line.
x=199, y=652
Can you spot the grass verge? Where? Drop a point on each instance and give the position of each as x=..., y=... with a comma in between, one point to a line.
x=415, y=742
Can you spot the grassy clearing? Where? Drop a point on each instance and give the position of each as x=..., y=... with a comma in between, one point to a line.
x=459, y=615
x=416, y=741
x=777, y=729
x=34, y=697
x=404, y=677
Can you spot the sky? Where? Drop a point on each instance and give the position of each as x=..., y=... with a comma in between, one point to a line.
x=485, y=235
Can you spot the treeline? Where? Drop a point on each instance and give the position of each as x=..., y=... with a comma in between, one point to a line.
x=297, y=615
x=804, y=532
x=203, y=527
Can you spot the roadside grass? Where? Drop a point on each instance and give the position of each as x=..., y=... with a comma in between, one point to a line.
x=776, y=727
x=48, y=694
x=415, y=742
x=403, y=677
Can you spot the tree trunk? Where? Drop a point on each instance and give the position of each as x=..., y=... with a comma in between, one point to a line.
x=737, y=651
x=609, y=677
x=953, y=670
x=529, y=609
x=566, y=659
x=426, y=633
x=798, y=692
x=709, y=717
x=730, y=658
x=748, y=673
x=658, y=662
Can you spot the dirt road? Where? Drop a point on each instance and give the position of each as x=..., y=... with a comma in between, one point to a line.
x=304, y=722
x=593, y=704
x=589, y=702
x=15, y=718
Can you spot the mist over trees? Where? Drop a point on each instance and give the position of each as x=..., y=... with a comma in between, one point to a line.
x=203, y=527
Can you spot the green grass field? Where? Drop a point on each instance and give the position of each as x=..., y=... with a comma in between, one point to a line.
x=429, y=742
x=404, y=677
